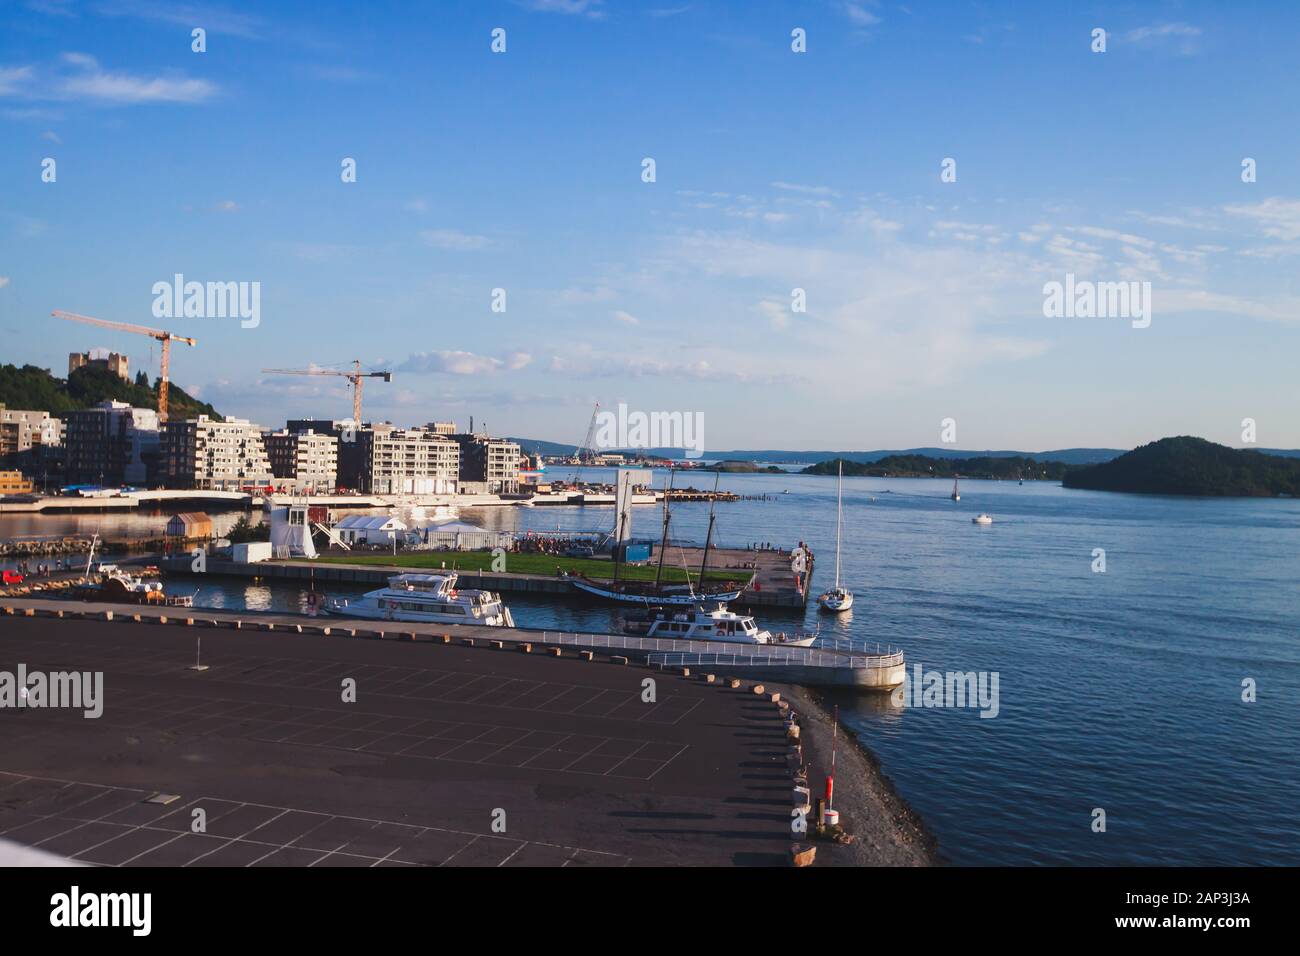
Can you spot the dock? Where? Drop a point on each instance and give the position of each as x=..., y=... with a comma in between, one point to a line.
x=450, y=755
x=775, y=586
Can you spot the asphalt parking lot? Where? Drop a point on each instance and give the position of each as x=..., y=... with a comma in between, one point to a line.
x=447, y=756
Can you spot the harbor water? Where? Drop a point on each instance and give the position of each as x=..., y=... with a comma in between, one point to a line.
x=1118, y=690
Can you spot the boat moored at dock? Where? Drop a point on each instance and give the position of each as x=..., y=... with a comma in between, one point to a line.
x=424, y=598
x=700, y=624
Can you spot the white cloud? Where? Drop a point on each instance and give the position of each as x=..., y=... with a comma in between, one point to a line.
x=451, y=239
x=859, y=15
x=1277, y=218
x=626, y=318
x=4, y=281
x=586, y=8
x=13, y=79
x=1182, y=37
x=212, y=17
x=1160, y=31
x=801, y=188
x=462, y=363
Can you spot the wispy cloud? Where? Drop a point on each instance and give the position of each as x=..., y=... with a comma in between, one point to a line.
x=212, y=17
x=627, y=318
x=592, y=9
x=79, y=76
x=1276, y=217
x=462, y=363
x=13, y=79
x=453, y=240
x=859, y=15
x=1183, y=36
x=802, y=188
x=662, y=12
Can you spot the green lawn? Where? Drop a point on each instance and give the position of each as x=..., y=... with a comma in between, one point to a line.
x=529, y=564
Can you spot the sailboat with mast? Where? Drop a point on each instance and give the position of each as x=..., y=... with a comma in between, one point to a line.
x=657, y=592
x=956, y=494
x=838, y=598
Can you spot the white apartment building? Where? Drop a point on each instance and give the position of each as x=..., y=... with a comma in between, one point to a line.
x=208, y=455
x=396, y=461
x=304, y=461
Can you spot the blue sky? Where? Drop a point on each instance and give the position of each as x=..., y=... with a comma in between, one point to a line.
x=774, y=171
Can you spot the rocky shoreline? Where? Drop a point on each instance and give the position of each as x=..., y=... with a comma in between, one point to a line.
x=886, y=830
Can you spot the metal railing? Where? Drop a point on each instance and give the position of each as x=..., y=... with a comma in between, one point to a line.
x=811, y=658
x=699, y=652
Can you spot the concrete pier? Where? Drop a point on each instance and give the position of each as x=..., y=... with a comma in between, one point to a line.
x=836, y=664
x=443, y=755
x=775, y=585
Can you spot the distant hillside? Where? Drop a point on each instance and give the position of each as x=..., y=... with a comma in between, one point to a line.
x=924, y=466
x=1068, y=456
x=1192, y=466
x=35, y=388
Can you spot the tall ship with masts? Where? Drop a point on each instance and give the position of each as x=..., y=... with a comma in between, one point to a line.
x=657, y=592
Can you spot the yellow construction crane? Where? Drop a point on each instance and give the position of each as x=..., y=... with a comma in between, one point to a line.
x=355, y=377
x=164, y=337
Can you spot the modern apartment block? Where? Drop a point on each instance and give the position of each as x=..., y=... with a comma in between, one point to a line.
x=386, y=460
x=488, y=465
x=20, y=430
x=199, y=453
x=305, y=460
x=112, y=443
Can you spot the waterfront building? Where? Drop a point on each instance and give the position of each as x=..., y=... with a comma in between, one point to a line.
x=306, y=460
x=199, y=453
x=385, y=460
x=114, y=362
x=112, y=443
x=489, y=465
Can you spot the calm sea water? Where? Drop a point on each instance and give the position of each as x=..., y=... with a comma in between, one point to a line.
x=1119, y=690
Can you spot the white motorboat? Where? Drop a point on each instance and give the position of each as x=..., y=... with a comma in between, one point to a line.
x=424, y=599
x=719, y=624
x=838, y=598
x=981, y=519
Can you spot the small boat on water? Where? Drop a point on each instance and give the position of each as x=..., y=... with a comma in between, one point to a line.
x=699, y=624
x=424, y=599
x=981, y=519
x=838, y=598
x=644, y=592
x=956, y=494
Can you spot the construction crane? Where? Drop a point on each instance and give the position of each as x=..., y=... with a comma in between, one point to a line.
x=164, y=337
x=355, y=377
x=584, y=452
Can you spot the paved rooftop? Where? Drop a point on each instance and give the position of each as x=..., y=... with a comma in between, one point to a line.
x=440, y=737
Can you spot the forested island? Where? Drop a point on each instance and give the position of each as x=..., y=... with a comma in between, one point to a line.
x=743, y=468
x=923, y=466
x=1191, y=466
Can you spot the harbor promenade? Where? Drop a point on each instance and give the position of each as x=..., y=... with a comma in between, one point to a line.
x=448, y=755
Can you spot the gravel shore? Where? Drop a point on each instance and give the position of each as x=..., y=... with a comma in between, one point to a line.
x=886, y=831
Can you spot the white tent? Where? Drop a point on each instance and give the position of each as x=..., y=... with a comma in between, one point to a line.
x=369, y=529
